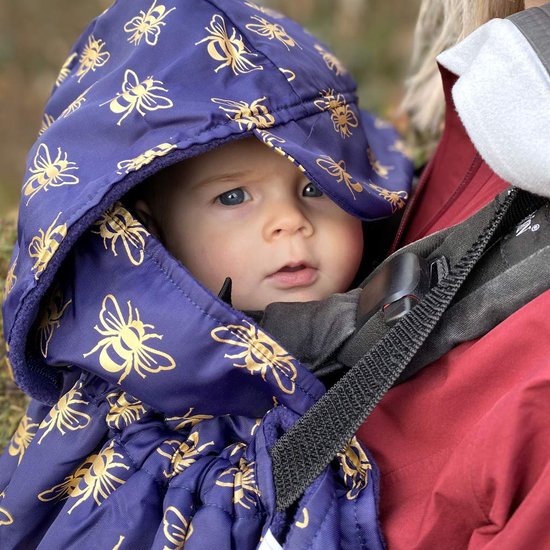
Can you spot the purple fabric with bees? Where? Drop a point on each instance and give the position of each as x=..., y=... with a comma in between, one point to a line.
x=154, y=402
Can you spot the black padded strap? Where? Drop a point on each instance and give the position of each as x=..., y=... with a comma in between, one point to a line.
x=308, y=447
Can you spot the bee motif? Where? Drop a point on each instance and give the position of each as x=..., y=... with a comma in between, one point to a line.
x=124, y=410
x=250, y=116
x=44, y=245
x=377, y=166
x=65, y=69
x=243, y=482
x=50, y=320
x=98, y=481
x=331, y=61
x=117, y=223
x=397, y=199
x=22, y=437
x=92, y=57
x=49, y=173
x=123, y=347
x=65, y=416
x=182, y=454
x=260, y=354
x=188, y=420
x=355, y=466
x=271, y=31
x=147, y=24
x=145, y=158
x=230, y=49
x=338, y=170
x=5, y=517
x=47, y=121
x=11, y=278
x=176, y=528
x=70, y=483
x=139, y=96
x=342, y=116
x=77, y=103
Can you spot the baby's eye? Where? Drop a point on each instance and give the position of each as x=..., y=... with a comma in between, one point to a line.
x=233, y=197
x=311, y=190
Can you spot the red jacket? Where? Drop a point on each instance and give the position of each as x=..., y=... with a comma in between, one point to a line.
x=464, y=446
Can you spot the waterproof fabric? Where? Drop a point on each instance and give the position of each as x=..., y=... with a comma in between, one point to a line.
x=155, y=403
x=464, y=446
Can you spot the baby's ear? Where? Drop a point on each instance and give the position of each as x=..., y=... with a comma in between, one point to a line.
x=145, y=215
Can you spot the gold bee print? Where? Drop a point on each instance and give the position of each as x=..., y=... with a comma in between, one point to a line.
x=11, y=278
x=124, y=410
x=182, y=454
x=377, y=166
x=249, y=116
x=5, y=517
x=397, y=199
x=46, y=173
x=65, y=489
x=47, y=121
x=176, y=529
x=188, y=420
x=118, y=225
x=331, y=61
x=92, y=57
x=22, y=437
x=341, y=114
x=271, y=31
x=259, y=354
x=338, y=170
x=50, y=319
x=147, y=25
x=44, y=245
x=270, y=139
x=355, y=466
x=229, y=49
x=65, y=69
x=118, y=545
x=303, y=523
x=77, y=103
x=100, y=481
x=243, y=482
x=7, y=363
x=123, y=348
x=138, y=95
x=267, y=11
x=145, y=158
x=65, y=415
x=290, y=75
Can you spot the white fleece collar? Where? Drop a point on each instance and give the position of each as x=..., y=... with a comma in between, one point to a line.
x=503, y=99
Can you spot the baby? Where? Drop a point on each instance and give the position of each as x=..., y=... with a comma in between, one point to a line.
x=242, y=211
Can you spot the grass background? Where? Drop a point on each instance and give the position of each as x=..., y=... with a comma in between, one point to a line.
x=372, y=37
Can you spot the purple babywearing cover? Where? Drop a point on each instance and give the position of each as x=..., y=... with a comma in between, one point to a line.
x=154, y=402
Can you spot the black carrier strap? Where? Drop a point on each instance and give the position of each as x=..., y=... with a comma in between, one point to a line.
x=303, y=452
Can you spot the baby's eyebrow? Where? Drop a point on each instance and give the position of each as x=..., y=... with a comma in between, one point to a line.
x=223, y=177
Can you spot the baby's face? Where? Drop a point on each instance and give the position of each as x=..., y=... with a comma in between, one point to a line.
x=245, y=212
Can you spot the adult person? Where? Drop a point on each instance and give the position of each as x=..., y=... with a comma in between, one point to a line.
x=464, y=446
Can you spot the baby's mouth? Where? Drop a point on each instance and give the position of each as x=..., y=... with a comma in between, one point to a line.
x=295, y=274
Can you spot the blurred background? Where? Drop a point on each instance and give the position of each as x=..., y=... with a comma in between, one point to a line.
x=372, y=38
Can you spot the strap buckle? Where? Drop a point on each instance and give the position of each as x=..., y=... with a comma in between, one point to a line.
x=398, y=286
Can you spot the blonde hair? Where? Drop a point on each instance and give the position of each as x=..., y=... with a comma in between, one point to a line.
x=440, y=25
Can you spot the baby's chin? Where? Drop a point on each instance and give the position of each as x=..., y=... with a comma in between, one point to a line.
x=252, y=303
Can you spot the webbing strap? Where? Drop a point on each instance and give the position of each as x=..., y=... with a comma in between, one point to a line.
x=303, y=452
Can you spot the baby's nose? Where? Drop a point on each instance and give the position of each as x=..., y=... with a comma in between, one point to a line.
x=287, y=219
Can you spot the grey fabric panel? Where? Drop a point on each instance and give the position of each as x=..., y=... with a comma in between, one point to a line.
x=534, y=23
